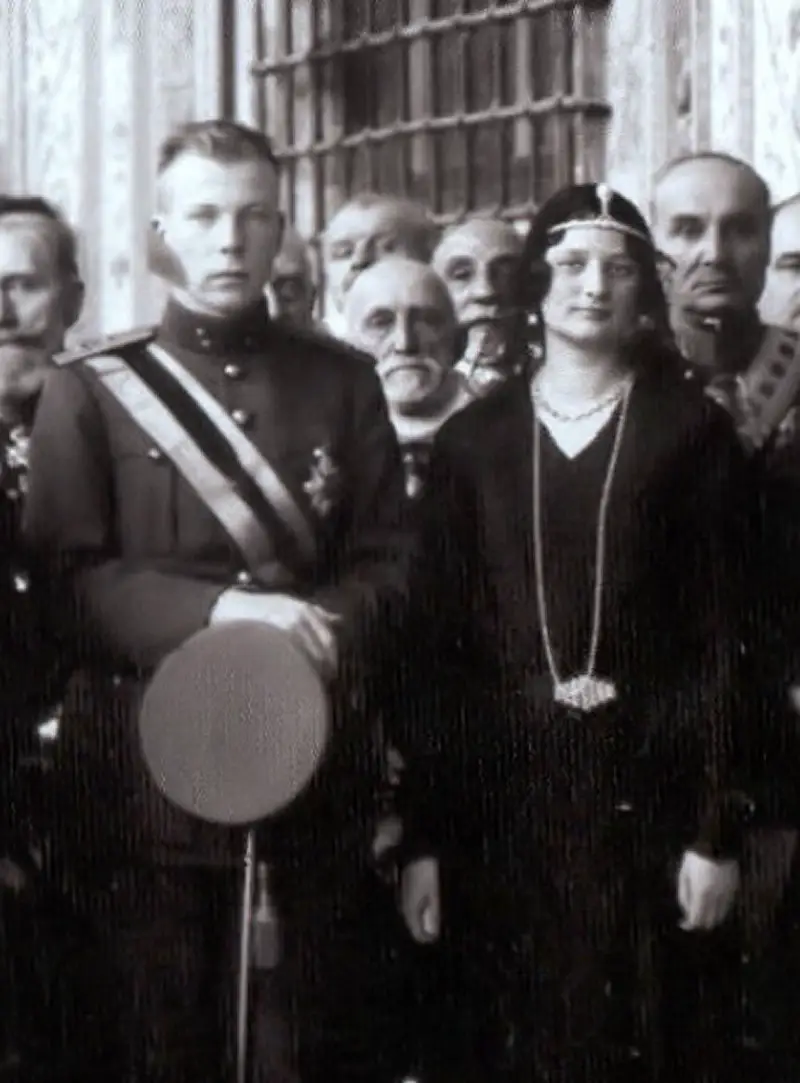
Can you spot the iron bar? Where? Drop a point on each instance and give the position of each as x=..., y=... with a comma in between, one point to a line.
x=413, y=32
x=591, y=108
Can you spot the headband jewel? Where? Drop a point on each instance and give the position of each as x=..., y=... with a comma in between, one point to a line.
x=603, y=220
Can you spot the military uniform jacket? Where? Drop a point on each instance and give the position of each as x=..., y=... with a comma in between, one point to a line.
x=148, y=560
x=716, y=359
x=33, y=657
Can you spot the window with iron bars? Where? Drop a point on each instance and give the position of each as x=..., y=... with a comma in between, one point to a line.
x=470, y=107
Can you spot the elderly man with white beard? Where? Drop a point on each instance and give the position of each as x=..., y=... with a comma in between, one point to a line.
x=477, y=260
x=399, y=311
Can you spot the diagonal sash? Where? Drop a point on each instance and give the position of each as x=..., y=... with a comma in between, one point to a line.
x=771, y=385
x=260, y=472
x=211, y=485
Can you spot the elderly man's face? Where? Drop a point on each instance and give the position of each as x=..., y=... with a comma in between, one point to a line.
x=780, y=303
x=478, y=263
x=359, y=236
x=400, y=313
x=710, y=220
x=291, y=290
x=38, y=303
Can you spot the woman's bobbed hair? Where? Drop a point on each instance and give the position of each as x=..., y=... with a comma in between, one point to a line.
x=576, y=203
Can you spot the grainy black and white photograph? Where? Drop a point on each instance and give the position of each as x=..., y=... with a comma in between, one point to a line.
x=399, y=541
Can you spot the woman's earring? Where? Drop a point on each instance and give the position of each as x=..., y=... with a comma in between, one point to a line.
x=646, y=323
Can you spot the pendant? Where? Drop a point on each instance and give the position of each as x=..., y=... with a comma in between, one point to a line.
x=584, y=693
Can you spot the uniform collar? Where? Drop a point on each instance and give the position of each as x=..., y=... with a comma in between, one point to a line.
x=724, y=345
x=248, y=332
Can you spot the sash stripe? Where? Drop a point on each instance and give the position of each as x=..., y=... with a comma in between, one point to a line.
x=250, y=458
x=210, y=484
x=772, y=383
x=217, y=450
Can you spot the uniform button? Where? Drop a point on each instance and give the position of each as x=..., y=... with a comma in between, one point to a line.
x=204, y=339
x=688, y=374
x=244, y=579
x=233, y=371
x=634, y=1053
x=154, y=454
x=623, y=806
x=22, y=582
x=241, y=417
x=116, y=681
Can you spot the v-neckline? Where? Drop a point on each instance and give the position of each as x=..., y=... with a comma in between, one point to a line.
x=606, y=430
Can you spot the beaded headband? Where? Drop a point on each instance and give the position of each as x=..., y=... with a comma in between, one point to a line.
x=603, y=220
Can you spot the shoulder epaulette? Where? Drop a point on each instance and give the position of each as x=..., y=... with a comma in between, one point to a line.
x=105, y=344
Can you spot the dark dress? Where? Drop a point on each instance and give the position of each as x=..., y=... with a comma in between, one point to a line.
x=559, y=833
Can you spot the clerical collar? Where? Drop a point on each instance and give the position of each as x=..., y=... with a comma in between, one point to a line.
x=246, y=332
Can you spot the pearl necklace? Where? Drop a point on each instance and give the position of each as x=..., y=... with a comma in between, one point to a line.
x=584, y=692
x=610, y=398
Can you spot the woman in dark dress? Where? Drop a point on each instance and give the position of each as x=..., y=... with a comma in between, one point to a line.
x=570, y=810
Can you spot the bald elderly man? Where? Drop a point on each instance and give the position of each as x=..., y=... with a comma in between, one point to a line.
x=364, y=230
x=400, y=312
x=291, y=291
x=780, y=302
x=712, y=219
x=478, y=262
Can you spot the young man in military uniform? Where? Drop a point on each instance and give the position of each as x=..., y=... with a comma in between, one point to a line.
x=711, y=219
x=221, y=468
x=40, y=299
x=478, y=261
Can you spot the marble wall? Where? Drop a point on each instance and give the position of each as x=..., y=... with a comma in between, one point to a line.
x=704, y=74
x=89, y=87
x=87, y=90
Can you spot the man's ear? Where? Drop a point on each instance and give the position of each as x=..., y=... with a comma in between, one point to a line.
x=160, y=259
x=73, y=298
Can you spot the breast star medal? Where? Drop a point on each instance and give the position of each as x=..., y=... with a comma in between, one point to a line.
x=15, y=461
x=324, y=483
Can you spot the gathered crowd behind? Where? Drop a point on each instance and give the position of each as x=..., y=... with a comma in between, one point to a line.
x=410, y=691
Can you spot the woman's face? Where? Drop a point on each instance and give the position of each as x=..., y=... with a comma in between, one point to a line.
x=593, y=299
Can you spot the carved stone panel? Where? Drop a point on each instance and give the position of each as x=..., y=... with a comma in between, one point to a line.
x=776, y=114
x=87, y=90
